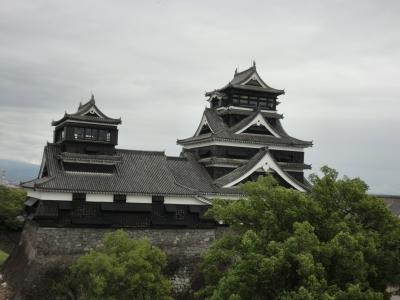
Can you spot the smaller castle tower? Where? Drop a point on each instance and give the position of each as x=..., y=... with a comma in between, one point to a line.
x=87, y=131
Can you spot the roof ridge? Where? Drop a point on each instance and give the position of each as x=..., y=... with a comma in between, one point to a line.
x=176, y=158
x=141, y=151
x=221, y=181
x=81, y=114
x=253, y=68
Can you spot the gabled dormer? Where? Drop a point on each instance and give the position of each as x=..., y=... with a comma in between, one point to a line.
x=255, y=124
x=87, y=131
x=246, y=90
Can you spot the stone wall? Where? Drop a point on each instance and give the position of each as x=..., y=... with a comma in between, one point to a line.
x=9, y=239
x=44, y=253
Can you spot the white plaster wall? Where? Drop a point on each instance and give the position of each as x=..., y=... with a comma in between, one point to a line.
x=49, y=195
x=110, y=198
x=138, y=199
x=182, y=200
x=99, y=198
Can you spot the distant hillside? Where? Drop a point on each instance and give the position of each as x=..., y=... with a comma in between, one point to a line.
x=17, y=171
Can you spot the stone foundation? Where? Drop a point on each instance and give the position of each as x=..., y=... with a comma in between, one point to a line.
x=44, y=253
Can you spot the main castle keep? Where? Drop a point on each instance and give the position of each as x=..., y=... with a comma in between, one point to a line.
x=87, y=186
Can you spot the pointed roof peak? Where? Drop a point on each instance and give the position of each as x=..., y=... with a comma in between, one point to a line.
x=91, y=102
x=88, y=112
x=241, y=79
x=245, y=72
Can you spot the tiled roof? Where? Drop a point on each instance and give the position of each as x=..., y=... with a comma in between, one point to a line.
x=190, y=174
x=240, y=171
x=221, y=132
x=88, y=158
x=86, y=119
x=244, y=122
x=79, y=115
x=138, y=172
x=266, y=140
x=237, y=111
x=241, y=77
x=214, y=120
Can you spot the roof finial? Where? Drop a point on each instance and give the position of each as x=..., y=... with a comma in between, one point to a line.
x=236, y=71
x=254, y=63
x=92, y=97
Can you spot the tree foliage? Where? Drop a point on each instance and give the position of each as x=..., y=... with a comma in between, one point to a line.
x=11, y=206
x=122, y=269
x=336, y=242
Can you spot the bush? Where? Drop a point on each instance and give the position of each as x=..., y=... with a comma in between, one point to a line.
x=122, y=269
x=336, y=242
x=11, y=206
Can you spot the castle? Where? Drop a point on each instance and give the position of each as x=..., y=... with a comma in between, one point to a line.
x=85, y=181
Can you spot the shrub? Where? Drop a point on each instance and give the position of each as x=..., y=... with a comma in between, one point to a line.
x=122, y=269
x=11, y=206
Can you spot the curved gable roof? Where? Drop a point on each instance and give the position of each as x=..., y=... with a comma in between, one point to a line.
x=263, y=159
x=240, y=79
x=84, y=114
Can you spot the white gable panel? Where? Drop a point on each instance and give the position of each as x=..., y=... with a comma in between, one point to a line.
x=259, y=120
x=267, y=163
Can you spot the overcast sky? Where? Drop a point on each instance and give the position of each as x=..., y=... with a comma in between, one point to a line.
x=150, y=62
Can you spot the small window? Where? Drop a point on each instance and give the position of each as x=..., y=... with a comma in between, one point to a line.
x=79, y=197
x=262, y=104
x=88, y=133
x=78, y=133
x=235, y=101
x=157, y=199
x=102, y=135
x=108, y=137
x=244, y=102
x=95, y=134
x=253, y=103
x=120, y=198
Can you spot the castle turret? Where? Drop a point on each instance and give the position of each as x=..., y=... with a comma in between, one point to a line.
x=241, y=136
x=87, y=131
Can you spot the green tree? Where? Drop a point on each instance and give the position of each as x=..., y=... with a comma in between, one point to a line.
x=11, y=206
x=123, y=268
x=336, y=242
